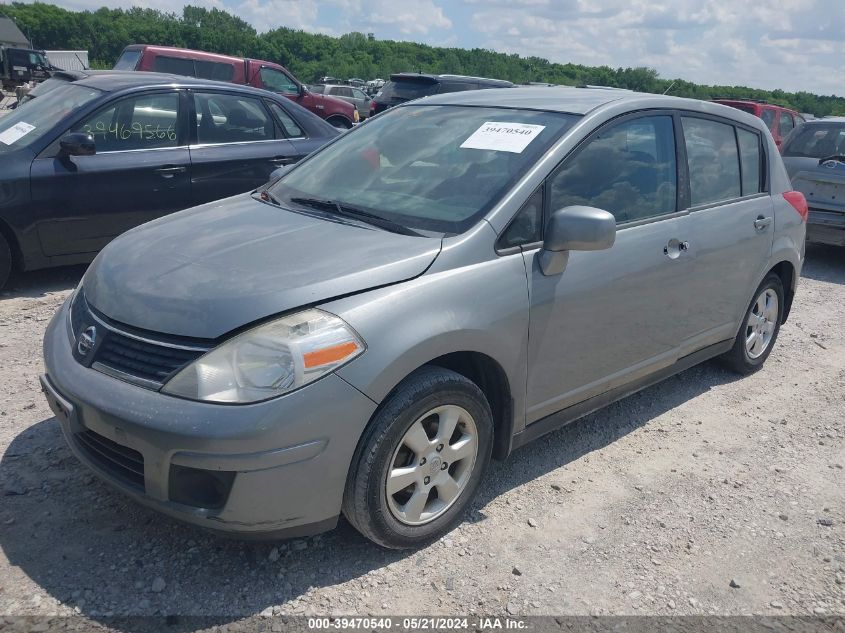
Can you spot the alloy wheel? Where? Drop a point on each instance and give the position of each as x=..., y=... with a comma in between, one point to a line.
x=431, y=465
x=761, y=324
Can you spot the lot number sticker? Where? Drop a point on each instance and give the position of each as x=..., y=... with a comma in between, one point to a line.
x=17, y=131
x=503, y=137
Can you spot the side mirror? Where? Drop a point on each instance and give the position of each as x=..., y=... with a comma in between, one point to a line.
x=302, y=90
x=278, y=173
x=575, y=228
x=77, y=144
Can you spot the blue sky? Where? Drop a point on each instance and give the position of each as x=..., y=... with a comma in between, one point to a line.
x=791, y=44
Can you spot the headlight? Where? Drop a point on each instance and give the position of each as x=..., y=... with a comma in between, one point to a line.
x=269, y=360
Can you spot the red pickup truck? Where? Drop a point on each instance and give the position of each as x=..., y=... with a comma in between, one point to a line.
x=237, y=70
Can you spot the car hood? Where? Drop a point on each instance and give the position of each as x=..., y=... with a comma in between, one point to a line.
x=209, y=270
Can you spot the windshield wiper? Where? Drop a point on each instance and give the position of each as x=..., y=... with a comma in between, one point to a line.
x=839, y=158
x=333, y=206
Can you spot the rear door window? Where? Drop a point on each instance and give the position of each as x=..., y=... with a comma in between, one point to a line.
x=786, y=124
x=713, y=161
x=768, y=116
x=174, y=65
x=628, y=169
x=229, y=118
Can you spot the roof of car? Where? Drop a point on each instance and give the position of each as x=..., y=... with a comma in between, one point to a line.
x=432, y=77
x=554, y=99
x=826, y=119
x=114, y=80
x=571, y=100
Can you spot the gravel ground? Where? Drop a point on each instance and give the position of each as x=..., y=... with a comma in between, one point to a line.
x=706, y=494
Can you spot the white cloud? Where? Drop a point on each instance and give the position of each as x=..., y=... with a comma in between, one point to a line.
x=796, y=45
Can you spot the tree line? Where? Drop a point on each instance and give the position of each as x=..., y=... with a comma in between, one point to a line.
x=104, y=33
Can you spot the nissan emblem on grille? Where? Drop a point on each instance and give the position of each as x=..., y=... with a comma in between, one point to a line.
x=87, y=340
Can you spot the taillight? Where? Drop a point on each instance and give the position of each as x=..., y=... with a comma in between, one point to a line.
x=798, y=202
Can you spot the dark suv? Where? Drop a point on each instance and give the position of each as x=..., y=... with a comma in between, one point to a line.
x=404, y=87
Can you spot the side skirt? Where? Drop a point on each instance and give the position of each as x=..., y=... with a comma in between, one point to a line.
x=570, y=414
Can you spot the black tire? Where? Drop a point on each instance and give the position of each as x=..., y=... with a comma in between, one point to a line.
x=5, y=261
x=738, y=357
x=365, y=502
x=339, y=122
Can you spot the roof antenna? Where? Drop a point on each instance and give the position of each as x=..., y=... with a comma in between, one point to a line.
x=670, y=86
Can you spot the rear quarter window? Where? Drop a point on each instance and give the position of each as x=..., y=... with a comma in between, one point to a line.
x=217, y=71
x=174, y=66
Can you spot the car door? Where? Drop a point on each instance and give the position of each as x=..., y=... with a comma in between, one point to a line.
x=141, y=170
x=732, y=223
x=362, y=102
x=612, y=316
x=235, y=144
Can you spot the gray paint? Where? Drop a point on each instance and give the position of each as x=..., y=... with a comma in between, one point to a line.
x=211, y=269
x=611, y=319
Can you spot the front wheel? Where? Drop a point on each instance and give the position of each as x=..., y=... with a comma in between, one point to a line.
x=421, y=461
x=760, y=328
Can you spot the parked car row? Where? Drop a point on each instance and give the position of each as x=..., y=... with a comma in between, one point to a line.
x=434, y=288
x=93, y=155
x=249, y=72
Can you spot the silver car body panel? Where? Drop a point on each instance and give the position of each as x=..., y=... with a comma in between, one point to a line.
x=612, y=322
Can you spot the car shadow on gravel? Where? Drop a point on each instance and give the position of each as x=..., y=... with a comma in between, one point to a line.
x=95, y=550
x=41, y=282
x=825, y=263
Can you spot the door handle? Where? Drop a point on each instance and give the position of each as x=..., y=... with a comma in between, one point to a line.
x=283, y=160
x=675, y=247
x=169, y=171
x=762, y=222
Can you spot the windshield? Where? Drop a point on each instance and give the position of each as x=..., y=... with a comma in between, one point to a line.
x=407, y=89
x=817, y=141
x=128, y=60
x=434, y=168
x=29, y=122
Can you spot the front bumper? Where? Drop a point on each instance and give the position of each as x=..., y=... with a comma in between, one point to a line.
x=287, y=458
x=826, y=227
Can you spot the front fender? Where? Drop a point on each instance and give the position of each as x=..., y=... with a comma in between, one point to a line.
x=482, y=307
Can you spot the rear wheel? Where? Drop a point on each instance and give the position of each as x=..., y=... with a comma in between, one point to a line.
x=760, y=328
x=419, y=465
x=5, y=261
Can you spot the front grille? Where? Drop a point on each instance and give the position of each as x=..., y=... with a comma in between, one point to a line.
x=120, y=461
x=142, y=359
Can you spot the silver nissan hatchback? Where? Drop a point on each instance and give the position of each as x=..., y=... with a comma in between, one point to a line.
x=439, y=286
